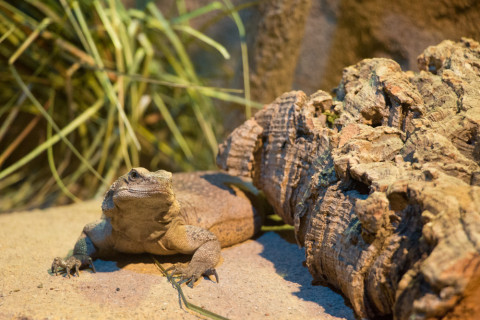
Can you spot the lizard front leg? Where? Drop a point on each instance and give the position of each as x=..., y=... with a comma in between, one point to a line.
x=95, y=240
x=200, y=242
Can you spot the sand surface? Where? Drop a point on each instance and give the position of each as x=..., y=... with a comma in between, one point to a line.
x=259, y=279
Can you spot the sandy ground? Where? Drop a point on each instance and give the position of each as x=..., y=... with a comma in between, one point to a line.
x=259, y=279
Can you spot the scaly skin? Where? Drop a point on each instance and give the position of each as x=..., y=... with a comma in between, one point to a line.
x=197, y=214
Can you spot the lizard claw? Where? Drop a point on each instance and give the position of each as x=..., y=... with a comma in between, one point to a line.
x=74, y=262
x=211, y=272
x=57, y=262
x=189, y=280
x=190, y=274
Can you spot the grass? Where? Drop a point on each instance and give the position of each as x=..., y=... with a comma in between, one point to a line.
x=90, y=89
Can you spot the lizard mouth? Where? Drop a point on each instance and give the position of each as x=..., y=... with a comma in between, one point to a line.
x=147, y=191
x=144, y=191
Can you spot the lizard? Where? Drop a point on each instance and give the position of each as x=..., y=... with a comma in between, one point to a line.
x=163, y=214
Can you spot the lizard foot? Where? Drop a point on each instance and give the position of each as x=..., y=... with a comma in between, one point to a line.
x=74, y=262
x=190, y=273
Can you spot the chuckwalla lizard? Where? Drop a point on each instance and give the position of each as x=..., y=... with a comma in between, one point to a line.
x=164, y=213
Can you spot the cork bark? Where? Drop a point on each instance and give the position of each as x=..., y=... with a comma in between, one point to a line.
x=386, y=197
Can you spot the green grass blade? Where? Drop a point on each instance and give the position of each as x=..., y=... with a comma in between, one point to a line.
x=197, y=12
x=93, y=149
x=48, y=9
x=202, y=37
x=87, y=114
x=60, y=134
x=18, y=14
x=189, y=305
x=51, y=162
x=212, y=92
x=7, y=34
x=244, y=49
x=107, y=140
x=12, y=115
x=12, y=179
x=103, y=78
x=172, y=125
x=112, y=171
x=133, y=67
x=18, y=139
x=112, y=28
x=108, y=25
x=165, y=79
x=74, y=23
x=45, y=22
x=174, y=40
x=190, y=75
x=149, y=55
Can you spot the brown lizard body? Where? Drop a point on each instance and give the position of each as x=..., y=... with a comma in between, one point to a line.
x=155, y=212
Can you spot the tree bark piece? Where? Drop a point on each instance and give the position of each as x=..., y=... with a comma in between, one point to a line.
x=386, y=200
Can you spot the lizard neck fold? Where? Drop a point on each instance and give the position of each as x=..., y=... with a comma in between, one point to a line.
x=167, y=216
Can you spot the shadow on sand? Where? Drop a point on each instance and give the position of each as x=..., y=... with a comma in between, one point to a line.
x=287, y=258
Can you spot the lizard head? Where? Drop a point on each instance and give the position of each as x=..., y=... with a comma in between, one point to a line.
x=140, y=193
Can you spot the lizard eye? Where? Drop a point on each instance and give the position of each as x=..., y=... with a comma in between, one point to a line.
x=134, y=174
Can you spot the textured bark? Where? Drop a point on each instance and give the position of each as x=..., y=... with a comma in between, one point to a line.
x=386, y=200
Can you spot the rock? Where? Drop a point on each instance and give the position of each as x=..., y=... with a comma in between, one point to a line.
x=276, y=47
x=339, y=33
x=386, y=200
